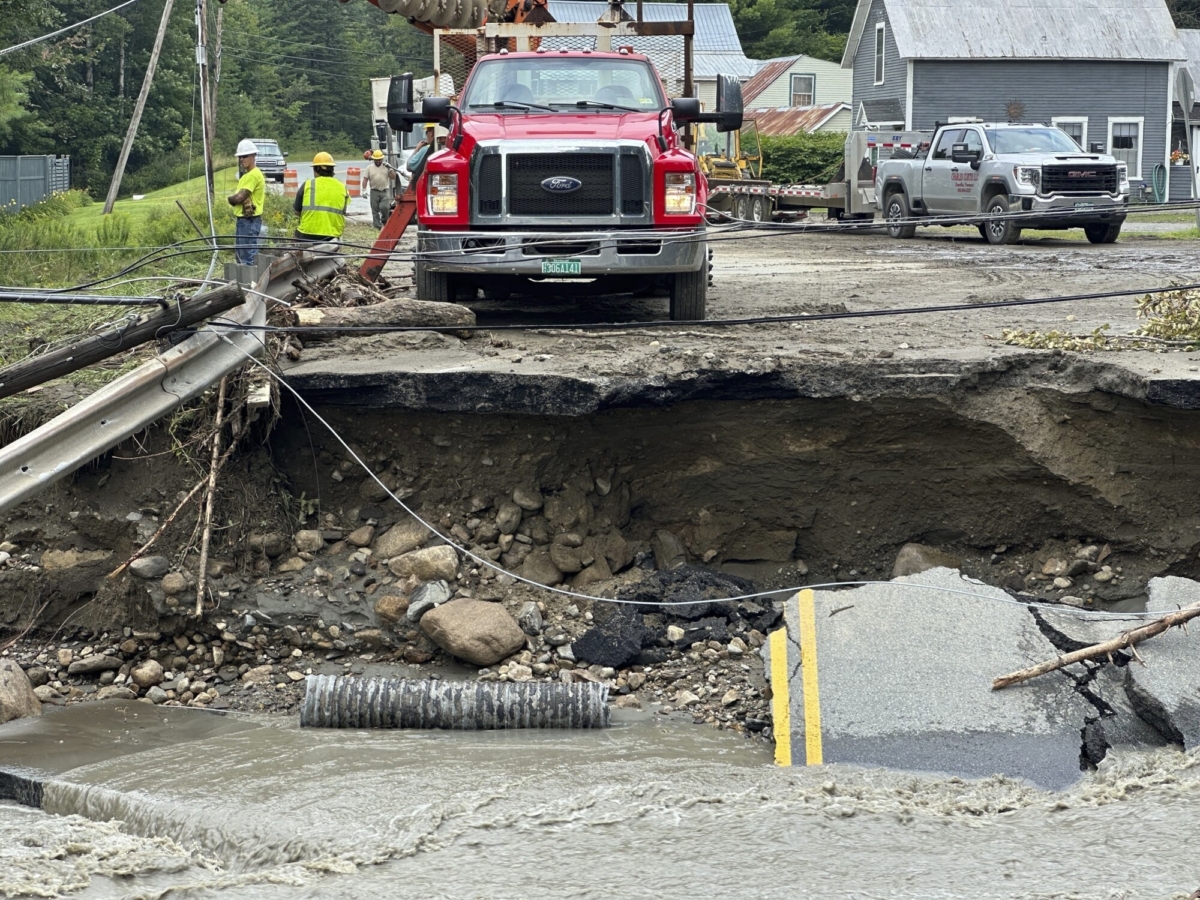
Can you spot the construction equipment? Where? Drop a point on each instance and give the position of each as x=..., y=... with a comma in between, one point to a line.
x=736, y=188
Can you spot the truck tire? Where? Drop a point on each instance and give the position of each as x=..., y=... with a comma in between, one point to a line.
x=1103, y=234
x=741, y=207
x=689, y=291
x=1001, y=231
x=895, y=210
x=434, y=287
x=759, y=211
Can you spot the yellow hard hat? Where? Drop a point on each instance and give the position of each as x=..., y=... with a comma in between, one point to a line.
x=322, y=159
x=378, y=154
x=429, y=125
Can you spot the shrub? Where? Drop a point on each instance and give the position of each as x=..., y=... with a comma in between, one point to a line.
x=802, y=158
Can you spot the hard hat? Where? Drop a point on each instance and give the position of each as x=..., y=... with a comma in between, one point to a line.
x=429, y=125
x=246, y=148
x=322, y=159
x=378, y=154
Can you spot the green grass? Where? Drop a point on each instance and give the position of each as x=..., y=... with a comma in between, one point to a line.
x=189, y=193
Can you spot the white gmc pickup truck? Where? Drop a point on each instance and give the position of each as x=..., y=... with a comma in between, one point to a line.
x=1002, y=171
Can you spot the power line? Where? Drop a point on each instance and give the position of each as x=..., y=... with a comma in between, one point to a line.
x=54, y=34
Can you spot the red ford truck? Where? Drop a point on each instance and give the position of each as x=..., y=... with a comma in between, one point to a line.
x=563, y=172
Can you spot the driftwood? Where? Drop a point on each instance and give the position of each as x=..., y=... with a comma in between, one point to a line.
x=1107, y=648
x=326, y=322
x=214, y=467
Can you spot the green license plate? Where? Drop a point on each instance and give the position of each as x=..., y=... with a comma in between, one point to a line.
x=562, y=267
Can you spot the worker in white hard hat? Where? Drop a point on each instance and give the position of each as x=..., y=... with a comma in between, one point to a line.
x=248, y=202
x=379, y=179
x=321, y=203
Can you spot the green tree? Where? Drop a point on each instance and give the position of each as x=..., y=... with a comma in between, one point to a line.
x=770, y=28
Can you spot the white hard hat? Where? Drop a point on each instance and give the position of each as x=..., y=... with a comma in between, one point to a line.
x=247, y=148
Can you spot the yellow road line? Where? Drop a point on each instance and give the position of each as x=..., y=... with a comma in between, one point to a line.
x=814, y=754
x=781, y=706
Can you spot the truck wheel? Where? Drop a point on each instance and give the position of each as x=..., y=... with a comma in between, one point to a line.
x=741, y=207
x=434, y=287
x=1001, y=231
x=758, y=210
x=689, y=290
x=897, y=209
x=1103, y=234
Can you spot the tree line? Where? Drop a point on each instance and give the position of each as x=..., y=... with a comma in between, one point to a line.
x=293, y=70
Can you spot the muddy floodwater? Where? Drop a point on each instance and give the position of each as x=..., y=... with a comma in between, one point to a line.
x=651, y=808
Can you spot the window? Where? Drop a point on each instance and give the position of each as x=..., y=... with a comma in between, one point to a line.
x=526, y=85
x=879, y=43
x=949, y=138
x=804, y=89
x=973, y=141
x=1075, y=126
x=1125, y=142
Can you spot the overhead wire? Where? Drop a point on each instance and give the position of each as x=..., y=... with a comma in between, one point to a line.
x=61, y=31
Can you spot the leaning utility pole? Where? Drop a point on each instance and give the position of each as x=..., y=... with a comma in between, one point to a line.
x=137, y=110
x=206, y=122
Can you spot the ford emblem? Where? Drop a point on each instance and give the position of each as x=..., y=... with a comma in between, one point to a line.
x=561, y=184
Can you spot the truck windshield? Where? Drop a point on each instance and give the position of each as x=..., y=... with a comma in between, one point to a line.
x=1031, y=140
x=518, y=85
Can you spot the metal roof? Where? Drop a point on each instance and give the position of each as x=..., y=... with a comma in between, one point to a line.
x=710, y=65
x=766, y=76
x=1025, y=29
x=794, y=119
x=1190, y=39
x=714, y=24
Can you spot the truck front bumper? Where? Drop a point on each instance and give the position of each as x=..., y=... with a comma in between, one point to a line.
x=598, y=253
x=1071, y=210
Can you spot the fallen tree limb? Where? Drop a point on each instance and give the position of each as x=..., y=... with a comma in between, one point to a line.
x=325, y=321
x=1124, y=641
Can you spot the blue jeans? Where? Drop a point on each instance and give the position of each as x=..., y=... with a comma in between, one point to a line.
x=245, y=248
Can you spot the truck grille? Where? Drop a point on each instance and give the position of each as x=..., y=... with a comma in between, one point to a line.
x=633, y=187
x=1079, y=178
x=527, y=171
x=491, y=187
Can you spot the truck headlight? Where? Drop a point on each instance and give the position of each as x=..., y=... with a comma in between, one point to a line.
x=1030, y=175
x=443, y=195
x=1123, y=174
x=680, y=199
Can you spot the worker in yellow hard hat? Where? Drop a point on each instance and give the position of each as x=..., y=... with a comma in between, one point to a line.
x=377, y=179
x=321, y=203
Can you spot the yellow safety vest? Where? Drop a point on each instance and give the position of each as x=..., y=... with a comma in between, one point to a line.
x=324, y=211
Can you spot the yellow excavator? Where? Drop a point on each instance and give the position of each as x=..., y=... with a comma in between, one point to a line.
x=732, y=163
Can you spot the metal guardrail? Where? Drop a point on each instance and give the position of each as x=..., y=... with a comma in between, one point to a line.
x=127, y=405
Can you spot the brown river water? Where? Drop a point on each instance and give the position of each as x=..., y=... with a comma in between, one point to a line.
x=650, y=808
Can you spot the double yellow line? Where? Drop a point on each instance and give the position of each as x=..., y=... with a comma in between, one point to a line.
x=781, y=701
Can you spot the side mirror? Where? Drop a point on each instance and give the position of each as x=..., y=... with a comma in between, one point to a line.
x=729, y=103
x=684, y=109
x=436, y=109
x=381, y=135
x=960, y=154
x=400, y=100
x=285, y=154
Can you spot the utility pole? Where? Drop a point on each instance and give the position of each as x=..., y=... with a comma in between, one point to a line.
x=216, y=85
x=138, y=109
x=205, y=96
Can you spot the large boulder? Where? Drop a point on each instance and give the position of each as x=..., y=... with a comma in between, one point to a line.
x=476, y=631
x=400, y=539
x=913, y=559
x=540, y=568
x=17, y=699
x=430, y=564
x=147, y=673
x=94, y=665
x=615, y=641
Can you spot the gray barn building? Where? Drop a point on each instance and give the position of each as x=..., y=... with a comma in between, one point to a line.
x=1103, y=70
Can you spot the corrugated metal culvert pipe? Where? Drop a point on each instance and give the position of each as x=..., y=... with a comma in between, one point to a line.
x=336, y=702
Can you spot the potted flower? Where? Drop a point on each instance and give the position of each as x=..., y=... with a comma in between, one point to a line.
x=1179, y=157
